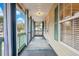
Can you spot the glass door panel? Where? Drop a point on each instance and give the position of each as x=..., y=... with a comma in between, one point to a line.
x=21, y=30
x=38, y=28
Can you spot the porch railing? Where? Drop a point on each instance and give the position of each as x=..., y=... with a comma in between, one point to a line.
x=21, y=41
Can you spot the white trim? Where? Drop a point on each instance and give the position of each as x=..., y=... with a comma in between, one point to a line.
x=72, y=49
x=70, y=18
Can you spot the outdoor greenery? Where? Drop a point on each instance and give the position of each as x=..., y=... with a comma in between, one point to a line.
x=20, y=27
x=1, y=19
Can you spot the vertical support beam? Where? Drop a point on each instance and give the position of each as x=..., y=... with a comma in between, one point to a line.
x=10, y=22
x=34, y=28
x=13, y=28
x=27, y=27
x=26, y=13
x=6, y=47
x=10, y=30
x=30, y=28
x=42, y=28
x=7, y=31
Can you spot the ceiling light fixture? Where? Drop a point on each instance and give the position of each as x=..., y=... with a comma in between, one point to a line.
x=39, y=13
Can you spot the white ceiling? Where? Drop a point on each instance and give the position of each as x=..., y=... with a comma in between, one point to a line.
x=36, y=7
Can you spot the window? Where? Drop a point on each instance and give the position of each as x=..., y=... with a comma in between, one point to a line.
x=70, y=25
x=67, y=33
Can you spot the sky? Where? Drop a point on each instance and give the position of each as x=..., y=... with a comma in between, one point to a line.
x=20, y=16
x=1, y=9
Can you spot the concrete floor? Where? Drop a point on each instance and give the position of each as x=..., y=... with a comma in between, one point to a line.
x=38, y=47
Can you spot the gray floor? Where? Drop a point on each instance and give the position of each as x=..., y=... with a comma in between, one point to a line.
x=38, y=47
